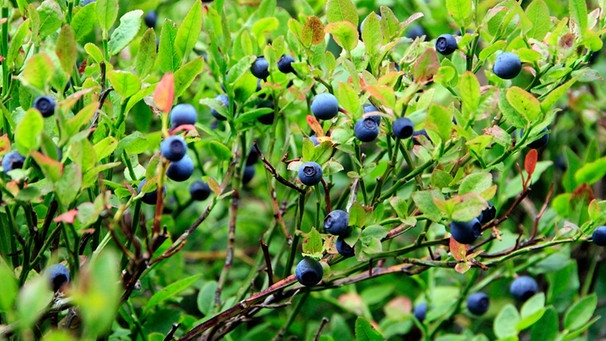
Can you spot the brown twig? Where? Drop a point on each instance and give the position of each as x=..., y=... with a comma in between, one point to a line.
x=172, y=331
x=319, y=332
x=268, y=268
x=275, y=174
x=231, y=241
x=326, y=195
x=535, y=228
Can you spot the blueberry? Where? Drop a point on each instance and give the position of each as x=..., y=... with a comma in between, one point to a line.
x=478, y=303
x=415, y=31
x=249, y=174
x=420, y=311
x=199, y=190
x=466, y=232
x=343, y=248
x=45, y=105
x=225, y=102
x=337, y=222
x=507, y=65
x=402, y=128
x=268, y=118
x=523, y=288
x=12, y=160
x=151, y=18
x=599, y=236
x=173, y=148
x=260, y=68
x=310, y=173
x=541, y=142
x=325, y=106
x=366, y=129
x=180, y=170
x=285, y=63
x=252, y=157
x=183, y=114
x=309, y=272
x=58, y=275
x=371, y=108
x=487, y=214
x=149, y=198
x=417, y=134
x=86, y=2
x=446, y=44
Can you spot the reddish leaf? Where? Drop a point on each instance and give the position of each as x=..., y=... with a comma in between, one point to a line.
x=5, y=144
x=315, y=125
x=165, y=93
x=51, y=168
x=67, y=217
x=458, y=250
x=530, y=162
x=462, y=267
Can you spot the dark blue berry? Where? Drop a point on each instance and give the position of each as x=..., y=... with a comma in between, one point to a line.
x=343, y=248
x=310, y=173
x=149, y=198
x=416, y=136
x=337, y=222
x=325, y=106
x=45, y=105
x=599, y=236
x=58, y=276
x=309, y=272
x=541, y=142
x=285, y=63
x=249, y=174
x=371, y=108
x=487, y=214
x=402, y=128
x=466, y=232
x=180, y=170
x=12, y=160
x=183, y=114
x=420, y=311
x=225, y=102
x=478, y=303
x=199, y=190
x=415, y=31
x=366, y=129
x=260, y=68
x=252, y=157
x=507, y=65
x=268, y=118
x=151, y=18
x=446, y=44
x=523, y=288
x=86, y=2
x=173, y=148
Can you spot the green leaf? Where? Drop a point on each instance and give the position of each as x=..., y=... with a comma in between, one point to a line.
x=546, y=328
x=68, y=186
x=365, y=331
x=373, y=232
x=146, y=57
x=38, y=71
x=17, y=42
x=553, y=96
x=33, y=299
x=425, y=203
x=580, y=312
x=125, y=83
x=206, y=297
x=169, y=291
x=348, y=98
x=400, y=206
x=238, y=70
x=467, y=206
x=66, y=49
x=340, y=10
x=27, y=134
x=532, y=311
x=52, y=169
x=81, y=22
x=105, y=147
x=506, y=321
x=129, y=26
x=524, y=103
x=344, y=33
x=470, y=93
x=168, y=57
x=591, y=172
x=578, y=13
x=538, y=13
x=371, y=34
x=357, y=215
x=219, y=150
x=10, y=287
x=107, y=13
x=511, y=115
x=189, y=30
x=439, y=121
x=312, y=243
x=312, y=32
x=94, y=51
x=476, y=183
x=426, y=66
x=51, y=18
x=186, y=75
x=460, y=11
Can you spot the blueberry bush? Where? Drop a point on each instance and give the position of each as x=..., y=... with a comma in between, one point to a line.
x=312, y=169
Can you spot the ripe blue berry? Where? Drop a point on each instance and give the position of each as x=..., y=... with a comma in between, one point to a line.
x=507, y=65
x=420, y=311
x=415, y=31
x=285, y=63
x=541, y=142
x=180, y=170
x=478, y=303
x=151, y=18
x=249, y=174
x=446, y=44
x=310, y=173
x=260, y=68
x=45, y=105
x=149, y=198
x=466, y=232
x=199, y=190
x=252, y=157
x=371, y=108
x=416, y=136
x=86, y=2
x=12, y=160
x=487, y=214
x=268, y=118
x=337, y=222
x=183, y=114
x=58, y=275
x=173, y=148
x=325, y=106
x=366, y=129
x=309, y=272
x=343, y=248
x=402, y=128
x=599, y=236
x=523, y=288
x=225, y=102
